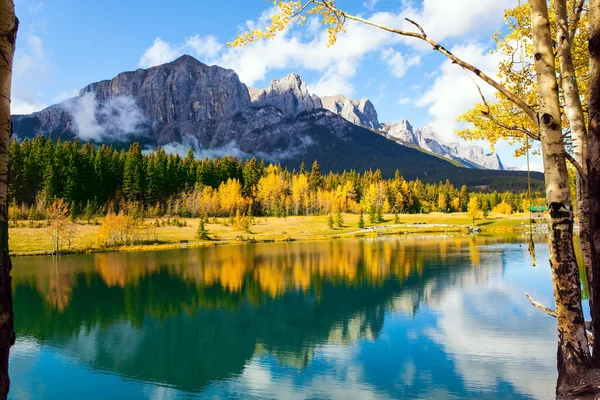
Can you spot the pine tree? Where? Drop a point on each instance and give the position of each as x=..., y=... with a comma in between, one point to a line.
x=361, y=220
x=330, y=221
x=133, y=173
x=202, y=233
x=302, y=169
x=89, y=211
x=339, y=219
x=372, y=214
x=396, y=219
x=315, y=179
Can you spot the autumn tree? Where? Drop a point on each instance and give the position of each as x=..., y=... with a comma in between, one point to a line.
x=58, y=220
x=473, y=209
x=8, y=36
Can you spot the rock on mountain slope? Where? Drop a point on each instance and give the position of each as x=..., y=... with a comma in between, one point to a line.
x=362, y=112
x=471, y=156
x=289, y=94
x=186, y=103
x=359, y=112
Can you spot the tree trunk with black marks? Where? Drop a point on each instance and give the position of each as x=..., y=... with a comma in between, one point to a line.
x=576, y=116
x=8, y=35
x=593, y=161
x=573, y=355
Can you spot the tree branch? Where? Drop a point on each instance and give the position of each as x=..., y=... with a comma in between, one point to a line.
x=489, y=116
x=577, y=166
x=540, y=306
x=578, y=10
x=436, y=46
x=552, y=313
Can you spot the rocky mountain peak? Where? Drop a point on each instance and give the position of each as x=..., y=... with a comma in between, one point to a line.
x=427, y=138
x=359, y=112
x=289, y=94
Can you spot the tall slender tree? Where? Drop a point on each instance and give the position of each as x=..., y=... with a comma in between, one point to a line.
x=8, y=36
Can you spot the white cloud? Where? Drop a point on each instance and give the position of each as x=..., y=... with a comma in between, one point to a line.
x=205, y=48
x=30, y=67
x=404, y=100
x=370, y=4
x=159, y=53
x=454, y=91
x=399, y=63
x=117, y=119
x=444, y=19
x=65, y=95
x=19, y=106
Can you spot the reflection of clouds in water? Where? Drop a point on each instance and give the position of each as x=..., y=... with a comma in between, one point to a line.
x=257, y=380
x=121, y=338
x=160, y=393
x=490, y=335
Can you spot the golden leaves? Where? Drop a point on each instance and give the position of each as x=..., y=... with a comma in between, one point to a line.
x=294, y=12
x=517, y=73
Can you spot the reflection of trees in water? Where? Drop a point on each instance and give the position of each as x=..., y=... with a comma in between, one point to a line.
x=200, y=315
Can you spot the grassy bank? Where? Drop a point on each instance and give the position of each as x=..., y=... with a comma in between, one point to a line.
x=30, y=241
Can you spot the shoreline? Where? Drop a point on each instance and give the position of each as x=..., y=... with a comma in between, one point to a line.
x=245, y=238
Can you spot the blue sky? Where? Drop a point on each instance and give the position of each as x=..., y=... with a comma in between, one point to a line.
x=64, y=45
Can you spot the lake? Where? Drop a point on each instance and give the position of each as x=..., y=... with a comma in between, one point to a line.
x=404, y=316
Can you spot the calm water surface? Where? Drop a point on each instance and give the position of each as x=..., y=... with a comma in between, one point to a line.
x=395, y=317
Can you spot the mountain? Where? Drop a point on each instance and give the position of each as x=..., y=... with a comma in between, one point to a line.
x=186, y=103
x=360, y=112
x=426, y=138
x=289, y=94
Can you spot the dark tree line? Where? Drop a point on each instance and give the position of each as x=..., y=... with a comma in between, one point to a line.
x=88, y=176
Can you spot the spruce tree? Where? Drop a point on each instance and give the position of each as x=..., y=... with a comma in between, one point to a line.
x=315, y=179
x=330, y=221
x=361, y=220
x=396, y=219
x=202, y=233
x=339, y=219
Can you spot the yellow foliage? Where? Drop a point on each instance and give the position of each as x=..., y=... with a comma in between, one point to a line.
x=519, y=77
x=294, y=12
x=503, y=208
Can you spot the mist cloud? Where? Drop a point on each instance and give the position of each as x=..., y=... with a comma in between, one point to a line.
x=117, y=119
x=232, y=149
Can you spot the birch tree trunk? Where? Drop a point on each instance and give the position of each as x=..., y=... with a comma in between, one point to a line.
x=576, y=116
x=8, y=35
x=573, y=355
x=593, y=157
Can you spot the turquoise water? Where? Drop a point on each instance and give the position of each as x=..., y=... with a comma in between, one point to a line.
x=395, y=317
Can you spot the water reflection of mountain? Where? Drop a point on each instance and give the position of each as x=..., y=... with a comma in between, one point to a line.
x=188, y=318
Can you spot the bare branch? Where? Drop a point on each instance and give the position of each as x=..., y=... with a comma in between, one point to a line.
x=436, y=46
x=419, y=27
x=588, y=326
x=540, y=306
x=300, y=11
x=577, y=166
x=578, y=10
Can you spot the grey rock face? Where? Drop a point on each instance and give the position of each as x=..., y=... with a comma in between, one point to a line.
x=426, y=138
x=289, y=94
x=184, y=89
x=360, y=112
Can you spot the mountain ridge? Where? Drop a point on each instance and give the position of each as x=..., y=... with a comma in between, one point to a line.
x=210, y=109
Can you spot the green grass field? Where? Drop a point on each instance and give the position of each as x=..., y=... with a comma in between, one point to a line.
x=27, y=241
